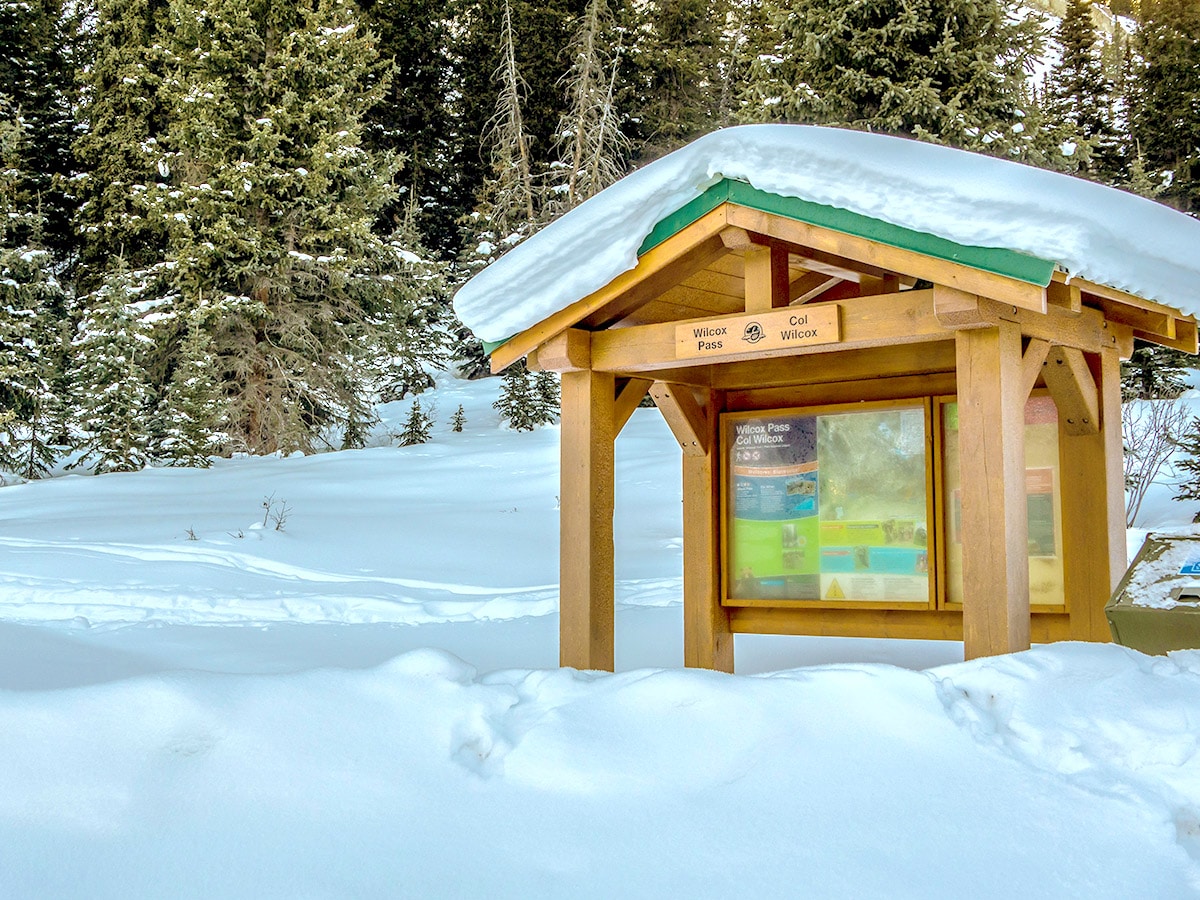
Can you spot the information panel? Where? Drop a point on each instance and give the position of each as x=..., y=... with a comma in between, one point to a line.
x=828, y=506
x=1042, y=502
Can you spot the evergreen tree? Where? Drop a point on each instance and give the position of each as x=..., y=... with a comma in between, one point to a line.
x=1081, y=97
x=417, y=427
x=750, y=37
x=1165, y=105
x=502, y=42
x=32, y=303
x=1155, y=373
x=269, y=202
x=1188, y=462
x=458, y=420
x=414, y=335
x=415, y=115
x=114, y=398
x=518, y=402
x=124, y=118
x=952, y=71
x=673, y=75
x=510, y=203
x=546, y=392
x=39, y=42
x=191, y=414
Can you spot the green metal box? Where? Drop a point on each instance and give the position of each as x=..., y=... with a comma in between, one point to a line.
x=1156, y=607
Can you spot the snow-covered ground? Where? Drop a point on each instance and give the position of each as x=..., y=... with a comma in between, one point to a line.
x=365, y=703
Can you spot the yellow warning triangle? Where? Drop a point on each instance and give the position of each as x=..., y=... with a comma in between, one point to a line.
x=835, y=591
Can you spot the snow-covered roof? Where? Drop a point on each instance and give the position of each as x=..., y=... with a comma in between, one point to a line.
x=1094, y=232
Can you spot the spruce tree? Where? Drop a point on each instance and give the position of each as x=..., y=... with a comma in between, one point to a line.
x=673, y=70
x=546, y=391
x=540, y=34
x=1188, y=462
x=32, y=306
x=124, y=119
x=1080, y=98
x=417, y=426
x=269, y=201
x=191, y=413
x=414, y=330
x=113, y=399
x=1155, y=373
x=511, y=205
x=951, y=71
x=458, y=420
x=518, y=402
x=416, y=116
x=1165, y=105
x=39, y=48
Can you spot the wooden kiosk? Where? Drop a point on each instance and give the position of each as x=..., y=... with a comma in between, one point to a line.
x=828, y=377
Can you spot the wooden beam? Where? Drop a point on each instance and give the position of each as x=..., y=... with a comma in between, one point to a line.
x=991, y=419
x=1154, y=322
x=686, y=251
x=907, y=317
x=586, y=574
x=902, y=387
x=686, y=418
x=1066, y=296
x=958, y=309
x=629, y=398
x=736, y=239
x=892, y=259
x=1032, y=362
x=849, y=365
x=810, y=286
x=1070, y=382
x=933, y=624
x=766, y=277
x=707, y=639
x=567, y=351
x=869, y=286
x=1093, y=507
x=1087, y=331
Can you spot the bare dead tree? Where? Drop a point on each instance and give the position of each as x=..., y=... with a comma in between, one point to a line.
x=1150, y=431
x=591, y=146
x=511, y=188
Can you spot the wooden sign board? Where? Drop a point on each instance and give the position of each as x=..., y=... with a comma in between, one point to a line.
x=779, y=329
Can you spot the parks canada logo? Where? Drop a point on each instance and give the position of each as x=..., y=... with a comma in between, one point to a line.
x=753, y=333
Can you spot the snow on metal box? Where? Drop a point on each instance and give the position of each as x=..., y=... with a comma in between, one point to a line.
x=1156, y=607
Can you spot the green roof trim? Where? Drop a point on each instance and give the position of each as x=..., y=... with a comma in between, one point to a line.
x=1010, y=263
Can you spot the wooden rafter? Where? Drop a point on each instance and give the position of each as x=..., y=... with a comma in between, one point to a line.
x=888, y=259
x=686, y=251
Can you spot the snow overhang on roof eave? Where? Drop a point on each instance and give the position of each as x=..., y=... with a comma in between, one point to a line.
x=1008, y=263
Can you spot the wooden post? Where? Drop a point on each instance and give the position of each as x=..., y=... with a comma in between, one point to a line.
x=586, y=521
x=991, y=422
x=1093, y=507
x=707, y=639
x=766, y=277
